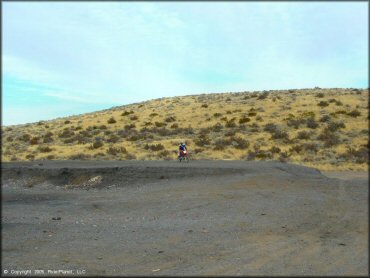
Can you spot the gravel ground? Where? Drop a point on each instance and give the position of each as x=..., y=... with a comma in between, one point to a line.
x=168, y=218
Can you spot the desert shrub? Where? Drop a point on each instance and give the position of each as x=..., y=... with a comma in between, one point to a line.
x=264, y=95
x=254, y=127
x=329, y=138
x=325, y=119
x=228, y=99
x=170, y=119
x=239, y=143
x=360, y=155
x=220, y=144
x=198, y=150
x=96, y=145
x=280, y=134
x=25, y=137
x=130, y=126
x=270, y=127
x=69, y=140
x=217, y=127
x=303, y=135
x=334, y=126
x=217, y=115
x=158, y=124
x=259, y=118
x=295, y=123
x=134, y=118
x=202, y=140
x=230, y=132
x=80, y=156
x=34, y=140
x=338, y=103
x=9, y=139
x=354, y=113
x=244, y=119
x=44, y=149
x=275, y=149
x=343, y=112
x=174, y=125
x=67, y=122
x=30, y=156
x=230, y=123
x=323, y=104
x=153, y=114
x=320, y=95
x=284, y=156
x=116, y=150
x=296, y=148
x=125, y=113
x=252, y=114
x=111, y=120
x=332, y=100
x=204, y=105
x=50, y=157
x=164, y=154
x=224, y=119
x=130, y=156
x=311, y=147
x=139, y=136
x=113, y=139
x=261, y=154
x=80, y=127
x=311, y=123
x=154, y=147
x=66, y=133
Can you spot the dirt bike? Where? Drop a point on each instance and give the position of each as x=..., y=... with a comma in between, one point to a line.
x=183, y=156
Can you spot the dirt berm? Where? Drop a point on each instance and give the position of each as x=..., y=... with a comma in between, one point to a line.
x=168, y=218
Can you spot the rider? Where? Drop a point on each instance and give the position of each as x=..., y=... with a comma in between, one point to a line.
x=182, y=147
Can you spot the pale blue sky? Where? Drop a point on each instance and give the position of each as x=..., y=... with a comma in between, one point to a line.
x=68, y=58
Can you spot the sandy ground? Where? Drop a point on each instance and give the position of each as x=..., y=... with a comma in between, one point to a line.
x=167, y=218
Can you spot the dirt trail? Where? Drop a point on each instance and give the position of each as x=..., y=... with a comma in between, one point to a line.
x=166, y=218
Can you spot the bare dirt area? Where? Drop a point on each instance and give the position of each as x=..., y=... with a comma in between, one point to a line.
x=168, y=218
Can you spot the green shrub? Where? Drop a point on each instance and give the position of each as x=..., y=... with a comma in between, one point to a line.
x=67, y=122
x=217, y=115
x=158, y=124
x=204, y=105
x=153, y=114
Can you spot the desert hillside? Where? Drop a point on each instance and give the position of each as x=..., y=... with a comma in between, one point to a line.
x=324, y=128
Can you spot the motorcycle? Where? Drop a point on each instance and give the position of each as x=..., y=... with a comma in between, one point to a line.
x=183, y=156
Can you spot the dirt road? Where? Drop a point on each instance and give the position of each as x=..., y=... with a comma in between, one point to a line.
x=166, y=218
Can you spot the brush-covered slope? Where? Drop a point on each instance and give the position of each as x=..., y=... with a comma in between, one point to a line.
x=323, y=128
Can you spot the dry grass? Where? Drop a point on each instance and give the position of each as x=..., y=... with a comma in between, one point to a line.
x=313, y=127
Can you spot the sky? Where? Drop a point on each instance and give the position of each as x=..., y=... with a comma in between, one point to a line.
x=69, y=58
